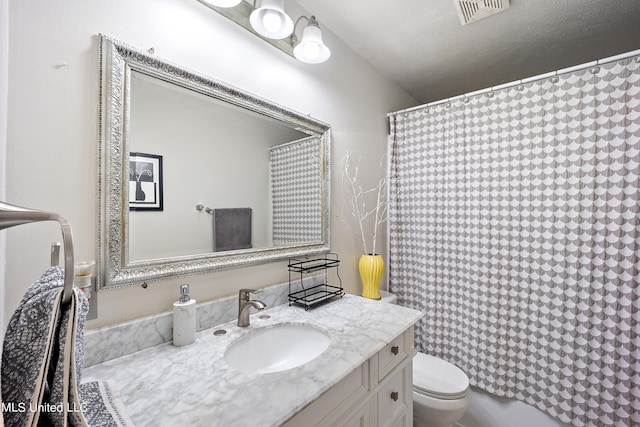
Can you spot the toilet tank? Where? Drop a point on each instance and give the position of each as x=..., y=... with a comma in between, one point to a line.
x=388, y=297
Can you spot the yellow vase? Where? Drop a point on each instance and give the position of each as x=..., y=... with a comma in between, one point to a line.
x=371, y=268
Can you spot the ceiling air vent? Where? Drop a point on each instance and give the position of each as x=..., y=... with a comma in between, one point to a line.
x=473, y=10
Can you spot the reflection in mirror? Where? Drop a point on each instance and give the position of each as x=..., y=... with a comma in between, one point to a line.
x=221, y=157
x=260, y=170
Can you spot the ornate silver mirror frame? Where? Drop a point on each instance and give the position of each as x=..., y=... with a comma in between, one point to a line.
x=117, y=61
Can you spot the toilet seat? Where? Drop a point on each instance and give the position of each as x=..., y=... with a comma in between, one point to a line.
x=438, y=378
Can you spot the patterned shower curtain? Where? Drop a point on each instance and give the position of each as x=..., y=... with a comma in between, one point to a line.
x=296, y=190
x=515, y=227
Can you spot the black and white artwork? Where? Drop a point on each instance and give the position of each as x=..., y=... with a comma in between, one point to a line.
x=145, y=182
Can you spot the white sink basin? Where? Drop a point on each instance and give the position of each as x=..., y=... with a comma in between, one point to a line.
x=277, y=348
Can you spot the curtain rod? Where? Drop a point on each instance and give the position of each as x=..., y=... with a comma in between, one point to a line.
x=523, y=81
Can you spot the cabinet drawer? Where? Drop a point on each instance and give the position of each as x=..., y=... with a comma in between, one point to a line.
x=391, y=355
x=392, y=400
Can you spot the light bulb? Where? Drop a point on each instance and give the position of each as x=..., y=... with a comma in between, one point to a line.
x=311, y=50
x=272, y=21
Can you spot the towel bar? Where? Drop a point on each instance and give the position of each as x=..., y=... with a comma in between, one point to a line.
x=11, y=215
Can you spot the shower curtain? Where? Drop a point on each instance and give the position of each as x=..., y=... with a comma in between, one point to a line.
x=515, y=227
x=295, y=192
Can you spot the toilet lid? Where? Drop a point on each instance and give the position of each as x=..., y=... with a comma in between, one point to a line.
x=437, y=377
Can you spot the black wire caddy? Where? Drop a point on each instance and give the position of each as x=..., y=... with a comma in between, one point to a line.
x=317, y=294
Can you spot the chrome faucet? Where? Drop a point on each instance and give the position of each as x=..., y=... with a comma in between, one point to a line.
x=244, y=303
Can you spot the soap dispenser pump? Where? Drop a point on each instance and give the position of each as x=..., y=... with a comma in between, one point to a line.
x=184, y=318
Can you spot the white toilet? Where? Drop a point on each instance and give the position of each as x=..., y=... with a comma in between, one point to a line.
x=441, y=393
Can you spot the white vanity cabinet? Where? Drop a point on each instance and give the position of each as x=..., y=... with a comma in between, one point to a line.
x=377, y=393
x=364, y=378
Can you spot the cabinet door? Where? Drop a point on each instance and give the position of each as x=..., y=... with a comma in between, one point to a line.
x=360, y=418
x=335, y=401
x=402, y=422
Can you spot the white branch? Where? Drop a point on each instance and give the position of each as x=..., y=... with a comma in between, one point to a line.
x=357, y=201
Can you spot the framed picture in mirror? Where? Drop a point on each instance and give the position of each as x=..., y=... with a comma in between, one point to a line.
x=145, y=182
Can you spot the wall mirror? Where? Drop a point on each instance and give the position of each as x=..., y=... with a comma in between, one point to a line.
x=197, y=175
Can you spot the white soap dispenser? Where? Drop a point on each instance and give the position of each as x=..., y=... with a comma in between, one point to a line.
x=184, y=318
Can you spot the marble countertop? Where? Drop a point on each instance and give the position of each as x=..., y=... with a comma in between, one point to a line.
x=193, y=385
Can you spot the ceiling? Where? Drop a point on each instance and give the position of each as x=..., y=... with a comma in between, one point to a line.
x=421, y=45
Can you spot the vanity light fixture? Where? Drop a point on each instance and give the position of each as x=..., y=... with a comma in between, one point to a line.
x=311, y=49
x=270, y=20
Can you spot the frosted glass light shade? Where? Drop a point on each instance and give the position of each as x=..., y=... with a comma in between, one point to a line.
x=311, y=48
x=270, y=20
x=223, y=3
